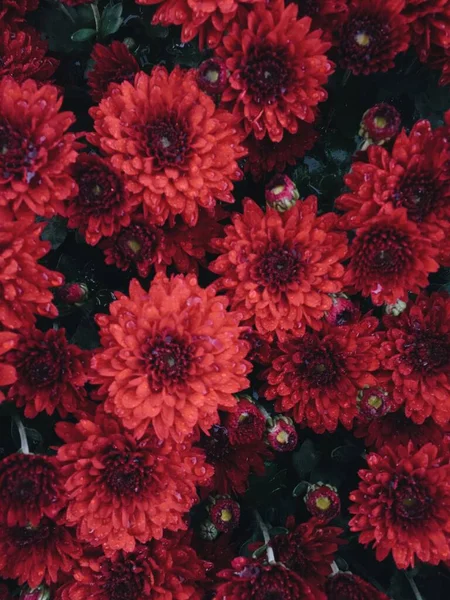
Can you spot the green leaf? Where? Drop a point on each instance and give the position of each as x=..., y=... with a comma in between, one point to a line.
x=259, y=551
x=300, y=489
x=346, y=454
x=111, y=19
x=83, y=35
x=305, y=458
x=55, y=232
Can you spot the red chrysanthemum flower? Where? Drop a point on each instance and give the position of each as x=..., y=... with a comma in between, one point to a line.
x=212, y=76
x=328, y=15
x=171, y=357
x=22, y=56
x=347, y=586
x=395, y=429
x=429, y=21
x=246, y=424
x=277, y=69
x=279, y=269
x=72, y=293
x=260, y=346
x=403, y=504
x=373, y=403
x=11, y=9
x=168, y=568
x=101, y=205
x=224, y=513
x=30, y=488
x=8, y=375
x=122, y=491
x=250, y=580
x=414, y=175
x=282, y=435
x=389, y=258
x=323, y=502
x=112, y=65
x=308, y=549
x=281, y=193
x=177, y=151
x=265, y=156
x=380, y=123
x=34, y=555
x=316, y=378
x=24, y=284
x=35, y=148
x=232, y=464
x=51, y=374
x=417, y=353
x=374, y=33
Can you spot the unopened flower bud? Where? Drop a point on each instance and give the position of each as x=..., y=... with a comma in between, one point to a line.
x=379, y=124
x=208, y=531
x=212, y=76
x=395, y=309
x=343, y=311
x=224, y=513
x=246, y=424
x=39, y=593
x=322, y=501
x=373, y=402
x=282, y=435
x=72, y=293
x=281, y=193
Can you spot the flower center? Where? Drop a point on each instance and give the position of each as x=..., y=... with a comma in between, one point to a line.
x=169, y=360
x=137, y=243
x=363, y=37
x=27, y=537
x=309, y=8
x=167, y=142
x=266, y=74
x=428, y=353
x=383, y=251
x=319, y=364
x=419, y=194
x=124, y=581
x=42, y=369
x=26, y=489
x=323, y=503
x=99, y=190
x=412, y=501
x=17, y=154
x=277, y=268
x=125, y=473
x=217, y=444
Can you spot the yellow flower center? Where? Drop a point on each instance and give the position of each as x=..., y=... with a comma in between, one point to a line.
x=283, y=437
x=134, y=246
x=212, y=76
x=323, y=503
x=380, y=122
x=375, y=402
x=362, y=39
x=243, y=417
x=226, y=515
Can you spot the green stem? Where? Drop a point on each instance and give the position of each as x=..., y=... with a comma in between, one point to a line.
x=66, y=12
x=270, y=555
x=96, y=14
x=413, y=584
x=23, y=436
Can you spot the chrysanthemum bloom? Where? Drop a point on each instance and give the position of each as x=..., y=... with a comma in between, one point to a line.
x=122, y=491
x=35, y=148
x=281, y=434
x=277, y=69
x=279, y=269
x=374, y=33
x=389, y=257
x=8, y=374
x=232, y=464
x=24, y=284
x=22, y=56
x=414, y=175
x=395, y=429
x=168, y=568
x=250, y=580
x=30, y=487
x=36, y=555
x=328, y=15
x=417, y=353
x=429, y=21
x=323, y=502
x=112, y=65
x=101, y=205
x=316, y=378
x=347, y=586
x=72, y=293
x=380, y=124
x=343, y=311
x=212, y=76
x=403, y=504
x=51, y=373
x=308, y=549
x=246, y=424
x=260, y=346
x=281, y=193
x=224, y=513
x=177, y=151
x=207, y=20
x=11, y=9
x=373, y=403
x=171, y=357
x=265, y=156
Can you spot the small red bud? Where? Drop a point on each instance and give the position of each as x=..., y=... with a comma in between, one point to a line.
x=212, y=76
x=72, y=293
x=281, y=193
x=282, y=435
x=322, y=501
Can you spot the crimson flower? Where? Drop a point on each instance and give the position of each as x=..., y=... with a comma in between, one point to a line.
x=246, y=424
x=403, y=504
x=8, y=375
x=323, y=502
x=51, y=374
x=11, y=9
x=380, y=123
x=112, y=65
x=347, y=586
x=22, y=56
x=328, y=15
x=36, y=148
x=373, y=34
x=281, y=434
x=389, y=258
x=212, y=76
x=176, y=150
x=279, y=269
x=224, y=513
x=31, y=487
x=277, y=68
x=316, y=378
x=429, y=21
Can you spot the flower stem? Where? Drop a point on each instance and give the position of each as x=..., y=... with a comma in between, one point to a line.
x=23, y=436
x=66, y=12
x=412, y=583
x=270, y=555
x=96, y=14
x=334, y=568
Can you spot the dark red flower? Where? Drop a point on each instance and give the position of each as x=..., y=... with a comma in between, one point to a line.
x=316, y=378
x=380, y=123
x=429, y=21
x=251, y=580
x=323, y=502
x=51, y=374
x=260, y=346
x=373, y=34
x=31, y=487
x=34, y=555
x=403, y=504
x=373, y=403
x=281, y=193
x=389, y=258
x=328, y=15
x=212, y=76
x=265, y=156
x=112, y=65
x=76, y=2
x=101, y=205
x=308, y=549
x=224, y=513
x=72, y=293
x=277, y=68
x=347, y=586
x=417, y=353
x=232, y=464
x=281, y=434
x=343, y=311
x=11, y=9
x=22, y=56
x=24, y=283
x=246, y=424
x=8, y=375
